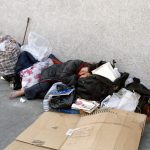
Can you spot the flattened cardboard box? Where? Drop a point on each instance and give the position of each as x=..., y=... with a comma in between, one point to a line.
x=103, y=130
x=17, y=145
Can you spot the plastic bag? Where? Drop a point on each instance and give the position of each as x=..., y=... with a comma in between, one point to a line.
x=2, y=46
x=124, y=99
x=38, y=46
x=31, y=75
x=9, y=53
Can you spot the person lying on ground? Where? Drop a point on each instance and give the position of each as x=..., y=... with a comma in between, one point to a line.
x=67, y=72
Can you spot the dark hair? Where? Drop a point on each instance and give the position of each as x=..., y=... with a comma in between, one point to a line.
x=90, y=66
x=84, y=64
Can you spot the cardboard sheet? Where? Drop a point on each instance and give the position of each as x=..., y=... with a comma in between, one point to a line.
x=49, y=130
x=114, y=130
x=103, y=130
x=16, y=145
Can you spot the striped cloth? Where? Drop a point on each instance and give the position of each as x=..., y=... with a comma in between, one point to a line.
x=9, y=52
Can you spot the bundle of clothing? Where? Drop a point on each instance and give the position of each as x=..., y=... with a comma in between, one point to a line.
x=124, y=92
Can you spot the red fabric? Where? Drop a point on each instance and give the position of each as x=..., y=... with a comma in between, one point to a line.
x=56, y=61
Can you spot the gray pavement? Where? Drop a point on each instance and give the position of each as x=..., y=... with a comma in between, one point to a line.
x=16, y=116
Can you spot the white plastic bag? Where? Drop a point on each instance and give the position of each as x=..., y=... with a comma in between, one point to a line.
x=124, y=99
x=2, y=46
x=38, y=46
x=31, y=75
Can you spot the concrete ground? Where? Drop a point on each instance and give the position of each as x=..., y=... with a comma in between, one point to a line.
x=16, y=116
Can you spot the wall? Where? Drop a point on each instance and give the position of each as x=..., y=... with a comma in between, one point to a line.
x=91, y=30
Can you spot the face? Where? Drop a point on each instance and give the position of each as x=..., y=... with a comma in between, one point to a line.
x=84, y=72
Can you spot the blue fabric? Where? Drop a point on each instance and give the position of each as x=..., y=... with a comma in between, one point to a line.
x=25, y=60
x=67, y=111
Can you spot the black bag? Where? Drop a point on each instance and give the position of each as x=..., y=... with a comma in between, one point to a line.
x=15, y=80
x=62, y=101
x=96, y=87
x=138, y=87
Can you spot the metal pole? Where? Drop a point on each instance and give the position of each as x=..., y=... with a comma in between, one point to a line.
x=28, y=20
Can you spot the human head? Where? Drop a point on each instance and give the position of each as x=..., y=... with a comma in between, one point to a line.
x=83, y=70
x=86, y=68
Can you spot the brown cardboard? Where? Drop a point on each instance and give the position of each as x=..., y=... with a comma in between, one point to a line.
x=16, y=145
x=113, y=130
x=49, y=130
x=102, y=130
